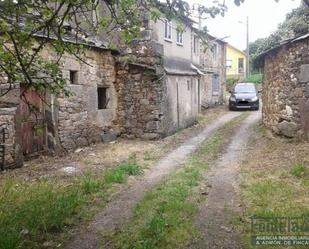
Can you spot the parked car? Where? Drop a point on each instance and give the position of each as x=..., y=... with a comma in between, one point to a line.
x=244, y=96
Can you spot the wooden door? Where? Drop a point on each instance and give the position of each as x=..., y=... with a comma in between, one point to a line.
x=30, y=119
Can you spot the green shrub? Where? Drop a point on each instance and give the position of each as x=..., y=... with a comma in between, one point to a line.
x=254, y=78
x=299, y=170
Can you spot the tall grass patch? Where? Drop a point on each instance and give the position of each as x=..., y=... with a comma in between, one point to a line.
x=34, y=212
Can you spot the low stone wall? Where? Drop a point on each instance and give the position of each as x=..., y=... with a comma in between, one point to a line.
x=286, y=90
x=13, y=152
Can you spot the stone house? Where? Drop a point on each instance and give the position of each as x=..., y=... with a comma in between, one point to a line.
x=148, y=91
x=180, y=81
x=64, y=123
x=192, y=76
x=286, y=88
x=213, y=79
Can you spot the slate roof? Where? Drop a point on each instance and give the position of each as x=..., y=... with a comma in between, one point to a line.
x=179, y=67
x=283, y=43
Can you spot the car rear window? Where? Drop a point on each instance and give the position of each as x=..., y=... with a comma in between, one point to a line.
x=245, y=89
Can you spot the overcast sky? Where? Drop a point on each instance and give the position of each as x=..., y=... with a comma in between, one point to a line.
x=264, y=17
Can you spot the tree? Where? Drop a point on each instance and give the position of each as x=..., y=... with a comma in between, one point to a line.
x=27, y=26
x=295, y=24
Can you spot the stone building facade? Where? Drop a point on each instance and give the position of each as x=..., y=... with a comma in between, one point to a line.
x=180, y=81
x=82, y=118
x=66, y=123
x=286, y=88
x=148, y=90
x=9, y=137
x=213, y=80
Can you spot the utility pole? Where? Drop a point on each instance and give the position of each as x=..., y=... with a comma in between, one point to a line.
x=247, y=51
x=199, y=18
x=199, y=11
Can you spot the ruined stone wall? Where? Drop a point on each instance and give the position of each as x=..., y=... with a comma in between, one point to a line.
x=77, y=120
x=286, y=90
x=13, y=152
x=139, y=95
x=139, y=87
x=8, y=107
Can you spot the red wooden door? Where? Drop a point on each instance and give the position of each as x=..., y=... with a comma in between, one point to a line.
x=30, y=117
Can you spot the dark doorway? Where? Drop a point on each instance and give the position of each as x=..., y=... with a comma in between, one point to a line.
x=102, y=98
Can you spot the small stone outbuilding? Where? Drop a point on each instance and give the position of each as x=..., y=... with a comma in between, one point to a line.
x=286, y=88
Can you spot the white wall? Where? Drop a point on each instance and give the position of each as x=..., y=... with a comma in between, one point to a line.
x=181, y=109
x=171, y=48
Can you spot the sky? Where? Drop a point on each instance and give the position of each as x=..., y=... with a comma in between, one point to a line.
x=264, y=17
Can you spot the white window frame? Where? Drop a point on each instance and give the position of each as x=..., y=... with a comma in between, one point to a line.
x=179, y=38
x=167, y=31
x=215, y=51
x=229, y=63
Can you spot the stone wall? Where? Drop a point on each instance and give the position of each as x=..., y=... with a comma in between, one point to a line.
x=213, y=63
x=139, y=95
x=286, y=90
x=8, y=107
x=77, y=120
x=140, y=91
x=13, y=152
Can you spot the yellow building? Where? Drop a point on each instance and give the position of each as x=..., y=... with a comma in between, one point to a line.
x=235, y=62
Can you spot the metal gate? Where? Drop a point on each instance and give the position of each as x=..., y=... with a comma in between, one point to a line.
x=30, y=117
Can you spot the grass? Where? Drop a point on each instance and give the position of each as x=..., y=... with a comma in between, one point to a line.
x=274, y=182
x=254, y=78
x=149, y=156
x=299, y=171
x=165, y=217
x=42, y=210
x=34, y=212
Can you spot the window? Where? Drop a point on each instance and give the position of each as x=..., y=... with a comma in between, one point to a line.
x=73, y=77
x=228, y=63
x=103, y=98
x=168, y=31
x=179, y=37
x=195, y=44
x=241, y=65
x=215, y=84
x=245, y=88
x=214, y=51
x=188, y=85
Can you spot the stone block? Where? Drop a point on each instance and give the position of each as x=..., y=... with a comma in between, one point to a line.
x=158, y=49
x=288, y=129
x=153, y=125
x=307, y=91
x=108, y=136
x=144, y=102
x=146, y=34
x=304, y=73
x=150, y=136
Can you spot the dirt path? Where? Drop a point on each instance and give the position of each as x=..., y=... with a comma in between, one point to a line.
x=216, y=213
x=119, y=211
